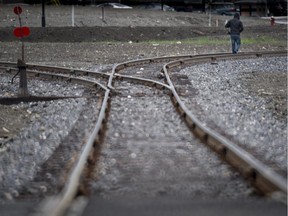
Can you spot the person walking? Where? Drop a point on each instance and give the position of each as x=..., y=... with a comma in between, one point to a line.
x=236, y=27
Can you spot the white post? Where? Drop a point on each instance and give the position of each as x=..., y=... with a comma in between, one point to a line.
x=72, y=15
x=209, y=24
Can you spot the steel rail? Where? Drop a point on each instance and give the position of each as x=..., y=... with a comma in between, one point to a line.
x=73, y=71
x=86, y=82
x=118, y=67
x=137, y=62
x=183, y=58
x=217, y=57
x=60, y=203
x=35, y=68
x=148, y=82
x=84, y=72
x=121, y=66
x=56, y=205
x=265, y=179
x=53, y=76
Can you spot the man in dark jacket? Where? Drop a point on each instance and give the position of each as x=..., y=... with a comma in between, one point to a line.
x=236, y=27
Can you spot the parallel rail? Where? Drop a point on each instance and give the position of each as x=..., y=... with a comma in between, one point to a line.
x=265, y=179
x=58, y=204
x=261, y=176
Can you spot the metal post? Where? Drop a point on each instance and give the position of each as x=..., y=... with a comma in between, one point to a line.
x=23, y=89
x=43, y=13
x=22, y=43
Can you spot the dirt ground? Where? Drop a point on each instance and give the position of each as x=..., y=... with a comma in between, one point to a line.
x=91, y=24
x=123, y=36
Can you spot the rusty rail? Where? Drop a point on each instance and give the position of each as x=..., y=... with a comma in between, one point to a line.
x=261, y=176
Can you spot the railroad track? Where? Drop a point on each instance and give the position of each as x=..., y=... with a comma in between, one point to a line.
x=262, y=177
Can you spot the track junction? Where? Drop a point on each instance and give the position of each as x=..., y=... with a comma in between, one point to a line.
x=157, y=82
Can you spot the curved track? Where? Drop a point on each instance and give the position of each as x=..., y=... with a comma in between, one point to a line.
x=261, y=176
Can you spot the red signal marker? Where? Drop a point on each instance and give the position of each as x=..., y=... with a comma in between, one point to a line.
x=21, y=31
x=17, y=10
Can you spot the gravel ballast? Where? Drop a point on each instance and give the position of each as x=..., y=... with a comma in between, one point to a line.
x=44, y=126
x=149, y=152
x=242, y=99
x=213, y=85
x=257, y=121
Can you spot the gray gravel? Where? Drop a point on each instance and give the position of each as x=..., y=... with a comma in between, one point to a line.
x=22, y=155
x=151, y=132
x=32, y=146
x=137, y=136
x=225, y=100
x=149, y=152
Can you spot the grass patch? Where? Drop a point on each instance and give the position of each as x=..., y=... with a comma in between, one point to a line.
x=222, y=41
x=263, y=40
x=194, y=41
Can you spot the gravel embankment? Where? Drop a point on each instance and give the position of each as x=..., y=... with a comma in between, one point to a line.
x=149, y=152
x=258, y=124
x=45, y=124
x=232, y=97
x=48, y=124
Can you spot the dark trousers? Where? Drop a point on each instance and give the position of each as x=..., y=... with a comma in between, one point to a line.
x=235, y=42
